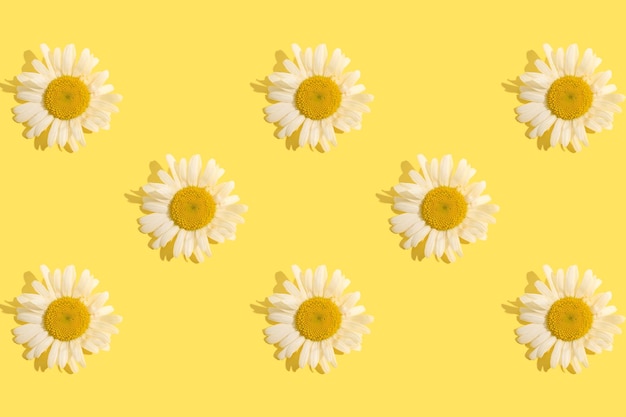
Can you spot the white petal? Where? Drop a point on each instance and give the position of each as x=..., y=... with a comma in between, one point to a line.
x=64, y=354
x=26, y=332
x=314, y=358
x=69, y=55
x=179, y=243
x=319, y=281
x=529, y=332
x=54, y=353
x=294, y=346
x=571, y=280
x=305, y=353
x=445, y=170
x=571, y=58
x=195, y=163
x=42, y=346
x=320, y=59
x=69, y=275
x=545, y=346
x=566, y=354
x=430, y=243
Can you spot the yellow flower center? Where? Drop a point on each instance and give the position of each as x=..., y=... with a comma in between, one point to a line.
x=192, y=208
x=443, y=208
x=66, y=318
x=569, y=318
x=318, y=318
x=318, y=97
x=569, y=97
x=66, y=97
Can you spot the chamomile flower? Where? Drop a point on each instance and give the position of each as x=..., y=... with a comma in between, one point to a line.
x=191, y=208
x=65, y=318
x=316, y=318
x=65, y=96
x=567, y=319
x=568, y=97
x=316, y=97
x=442, y=207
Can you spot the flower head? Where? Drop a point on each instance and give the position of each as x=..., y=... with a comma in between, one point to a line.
x=442, y=207
x=567, y=319
x=191, y=207
x=64, y=318
x=316, y=318
x=65, y=96
x=316, y=97
x=568, y=97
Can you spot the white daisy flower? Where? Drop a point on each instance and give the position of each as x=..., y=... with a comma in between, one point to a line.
x=65, y=96
x=316, y=97
x=316, y=318
x=568, y=97
x=65, y=317
x=442, y=207
x=191, y=207
x=568, y=318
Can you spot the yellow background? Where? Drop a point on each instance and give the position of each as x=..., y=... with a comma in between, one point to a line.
x=191, y=342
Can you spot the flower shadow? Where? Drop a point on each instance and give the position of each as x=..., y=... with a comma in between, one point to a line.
x=513, y=307
x=11, y=306
x=262, y=86
x=27, y=66
x=513, y=86
x=262, y=307
x=388, y=196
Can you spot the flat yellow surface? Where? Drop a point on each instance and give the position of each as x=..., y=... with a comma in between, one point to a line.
x=191, y=342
